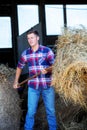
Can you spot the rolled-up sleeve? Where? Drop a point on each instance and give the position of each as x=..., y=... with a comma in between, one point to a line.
x=50, y=57
x=22, y=61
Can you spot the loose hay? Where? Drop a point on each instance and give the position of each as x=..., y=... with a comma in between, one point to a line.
x=70, y=67
x=10, y=111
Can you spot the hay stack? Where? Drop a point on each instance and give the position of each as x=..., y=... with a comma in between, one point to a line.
x=10, y=111
x=70, y=67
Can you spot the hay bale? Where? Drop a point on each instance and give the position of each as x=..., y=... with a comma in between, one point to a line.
x=70, y=67
x=10, y=111
x=70, y=117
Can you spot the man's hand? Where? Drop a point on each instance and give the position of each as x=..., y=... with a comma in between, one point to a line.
x=15, y=85
x=44, y=71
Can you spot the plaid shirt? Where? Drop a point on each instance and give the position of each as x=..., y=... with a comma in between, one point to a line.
x=42, y=58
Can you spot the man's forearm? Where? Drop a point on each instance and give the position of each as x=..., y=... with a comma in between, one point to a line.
x=17, y=76
x=18, y=73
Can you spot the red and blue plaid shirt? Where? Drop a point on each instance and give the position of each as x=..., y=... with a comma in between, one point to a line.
x=38, y=60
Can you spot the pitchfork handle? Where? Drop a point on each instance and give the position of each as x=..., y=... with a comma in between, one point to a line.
x=34, y=76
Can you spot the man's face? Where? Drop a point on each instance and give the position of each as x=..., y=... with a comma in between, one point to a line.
x=32, y=39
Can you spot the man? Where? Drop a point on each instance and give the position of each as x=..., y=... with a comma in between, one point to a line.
x=38, y=58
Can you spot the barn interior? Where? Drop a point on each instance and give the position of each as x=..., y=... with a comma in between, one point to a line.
x=48, y=17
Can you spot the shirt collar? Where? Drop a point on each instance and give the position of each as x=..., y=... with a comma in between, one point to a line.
x=39, y=49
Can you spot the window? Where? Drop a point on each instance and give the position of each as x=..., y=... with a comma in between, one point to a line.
x=27, y=17
x=5, y=32
x=54, y=19
x=76, y=15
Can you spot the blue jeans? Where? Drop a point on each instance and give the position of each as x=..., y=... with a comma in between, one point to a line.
x=48, y=96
